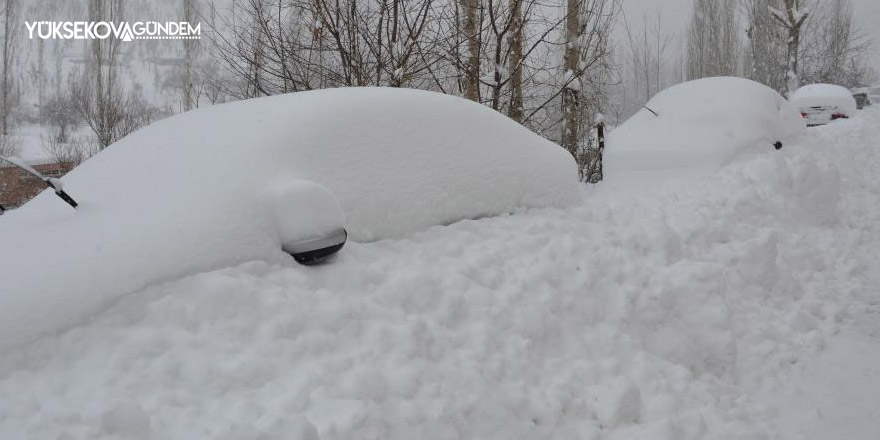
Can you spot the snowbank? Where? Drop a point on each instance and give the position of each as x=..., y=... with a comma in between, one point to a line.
x=659, y=315
x=203, y=190
x=698, y=126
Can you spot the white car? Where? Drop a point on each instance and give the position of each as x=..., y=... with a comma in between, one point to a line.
x=820, y=104
x=697, y=126
x=250, y=180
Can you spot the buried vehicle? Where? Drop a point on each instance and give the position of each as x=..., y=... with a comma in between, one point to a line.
x=696, y=127
x=252, y=179
x=862, y=97
x=820, y=104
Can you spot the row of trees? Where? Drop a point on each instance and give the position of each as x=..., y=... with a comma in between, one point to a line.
x=549, y=66
x=788, y=42
x=543, y=65
x=780, y=43
x=92, y=95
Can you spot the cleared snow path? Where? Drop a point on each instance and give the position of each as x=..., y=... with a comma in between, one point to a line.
x=685, y=311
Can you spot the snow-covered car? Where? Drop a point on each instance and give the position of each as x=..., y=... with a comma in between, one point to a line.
x=248, y=180
x=698, y=126
x=862, y=98
x=874, y=94
x=820, y=104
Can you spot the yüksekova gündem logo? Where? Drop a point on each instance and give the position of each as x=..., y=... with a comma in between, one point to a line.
x=125, y=31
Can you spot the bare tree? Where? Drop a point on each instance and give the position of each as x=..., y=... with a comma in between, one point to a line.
x=766, y=54
x=71, y=152
x=571, y=88
x=792, y=19
x=515, y=67
x=291, y=45
x=586, y=62
x=713, y=39
x=10, y=144
x=835, y=49
x=502, y=53
x=190, y=85
x=58, y=141
x=96, y=93
x=112, y=116
x=60, y=115
x=649, y=64
x=10, y=42
x=36, y=75
x=470, y=28
x=505, y=22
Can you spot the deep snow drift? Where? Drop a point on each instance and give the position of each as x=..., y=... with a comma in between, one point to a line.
x=223, y=185
x=682, y=311
x=695, y=127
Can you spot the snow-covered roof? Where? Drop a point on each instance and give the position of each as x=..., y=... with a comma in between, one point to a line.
x=820, y=90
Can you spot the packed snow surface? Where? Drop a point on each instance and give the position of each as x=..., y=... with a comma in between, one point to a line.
x=227, y=184
x=825, y=95
x=697, y=126
x=699, y=309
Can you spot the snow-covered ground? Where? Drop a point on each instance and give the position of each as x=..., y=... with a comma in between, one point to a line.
x=835, y=394
x=714, y=308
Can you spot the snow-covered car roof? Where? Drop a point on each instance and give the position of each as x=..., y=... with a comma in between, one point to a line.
x=198, y=191
x=825, y=95
x=698, y=126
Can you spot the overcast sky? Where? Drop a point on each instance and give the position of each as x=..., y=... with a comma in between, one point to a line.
x=676, y=13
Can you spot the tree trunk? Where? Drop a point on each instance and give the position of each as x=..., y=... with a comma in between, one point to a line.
x=471, y=80
x=515, y=110
x=189, y=97
x=8, y=55
x=792, y=19
x=794, y=39
x=570, y=93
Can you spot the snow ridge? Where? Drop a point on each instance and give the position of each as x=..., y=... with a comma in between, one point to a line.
x=658, y=314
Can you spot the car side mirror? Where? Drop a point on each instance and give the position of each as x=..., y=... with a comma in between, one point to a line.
x=309, y=219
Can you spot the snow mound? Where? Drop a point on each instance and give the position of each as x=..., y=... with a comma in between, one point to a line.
x=826, y=95
x=303, y=209
x=696, y=127
x=215, y=187
x=658, y=315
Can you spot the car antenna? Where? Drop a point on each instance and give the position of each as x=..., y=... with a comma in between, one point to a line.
x=51, y=182
x=652, y=111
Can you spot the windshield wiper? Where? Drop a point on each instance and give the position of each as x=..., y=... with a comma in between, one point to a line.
x=51, y=182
